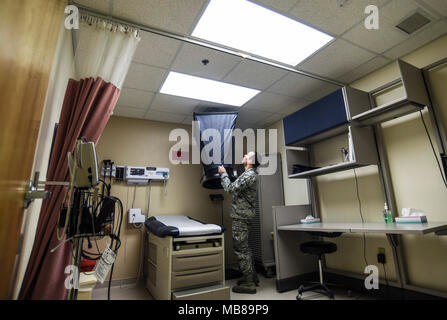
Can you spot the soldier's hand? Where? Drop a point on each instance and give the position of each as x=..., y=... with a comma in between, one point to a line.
x=221, y=170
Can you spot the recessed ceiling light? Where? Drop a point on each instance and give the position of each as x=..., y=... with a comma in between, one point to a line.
x=188, y=86
x=246, y=26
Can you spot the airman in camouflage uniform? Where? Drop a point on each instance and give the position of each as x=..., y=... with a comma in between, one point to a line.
x=244, y=194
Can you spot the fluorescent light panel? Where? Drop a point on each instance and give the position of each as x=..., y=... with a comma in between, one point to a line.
x=249, y=27
x=188, y=86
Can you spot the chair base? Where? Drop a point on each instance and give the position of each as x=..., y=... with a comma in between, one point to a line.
x=313, y=287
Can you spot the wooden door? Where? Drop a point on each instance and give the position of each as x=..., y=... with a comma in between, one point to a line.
x=28, y=35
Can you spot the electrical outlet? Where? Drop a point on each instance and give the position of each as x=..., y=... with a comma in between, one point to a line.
x=381, y=258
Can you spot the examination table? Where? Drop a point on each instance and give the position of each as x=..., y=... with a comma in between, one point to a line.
x=184, y=259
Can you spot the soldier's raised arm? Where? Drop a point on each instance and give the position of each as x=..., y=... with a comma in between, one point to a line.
x=243, y=182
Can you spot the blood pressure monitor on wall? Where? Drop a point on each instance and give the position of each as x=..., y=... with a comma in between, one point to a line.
x=142, y=175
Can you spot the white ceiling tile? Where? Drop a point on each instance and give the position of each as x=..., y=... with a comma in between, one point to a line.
x=164, y=116
x=254, y=75
x=100, y=5
x=268, y=102
x=244, y=124
x=206, y=106
x=189, y=61
x=388, y=35
x=418, y=40
x=270, y=120
x=171, y=15
x=439, y=6
x=322, y=91
x=252, y=117
x=294, y=107
x=144, y=77
x=173, y=104
x=129, y=112
x=135, y=98
x=156, y=50
x=295, y=85
x=328, y=16
x=277, y=5
x=336, y=59
x=368, y=67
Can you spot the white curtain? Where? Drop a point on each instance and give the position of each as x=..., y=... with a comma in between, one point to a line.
x=104, y=49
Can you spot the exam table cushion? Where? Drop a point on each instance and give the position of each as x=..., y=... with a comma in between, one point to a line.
x=180, y=226
x=318, y=247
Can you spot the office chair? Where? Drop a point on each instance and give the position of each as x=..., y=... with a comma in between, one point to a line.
x=318, y=248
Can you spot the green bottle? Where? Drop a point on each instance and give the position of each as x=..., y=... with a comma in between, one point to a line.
x=387, y=216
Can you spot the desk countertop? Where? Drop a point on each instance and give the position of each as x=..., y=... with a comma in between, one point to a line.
x=323, y=227
x=368, y=227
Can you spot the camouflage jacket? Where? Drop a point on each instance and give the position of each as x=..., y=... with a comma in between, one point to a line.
x=244, y=194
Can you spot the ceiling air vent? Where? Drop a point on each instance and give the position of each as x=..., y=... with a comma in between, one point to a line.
x=413, y=23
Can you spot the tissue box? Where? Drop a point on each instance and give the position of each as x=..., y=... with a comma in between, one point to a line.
x=411, y=219
x=309, y=221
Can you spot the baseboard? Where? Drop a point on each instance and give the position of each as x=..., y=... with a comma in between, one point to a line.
x=357, y=285
x=384, y=292
x=293, y=283
x=122, y=283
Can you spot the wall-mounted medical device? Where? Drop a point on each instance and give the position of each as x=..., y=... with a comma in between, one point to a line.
x=135, y=175
x=158, y=173
x=108, y=168
x=135, y=216
x=119, y=173
x=142, y=175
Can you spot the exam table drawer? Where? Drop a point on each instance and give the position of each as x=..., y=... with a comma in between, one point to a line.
x=196, y=278
x=193, y=262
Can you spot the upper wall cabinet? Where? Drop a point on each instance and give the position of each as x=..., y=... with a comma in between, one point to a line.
x=330, y=115
x=324, y=118
x=405, y=95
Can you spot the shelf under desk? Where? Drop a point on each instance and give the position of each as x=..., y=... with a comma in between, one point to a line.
x=368, y=227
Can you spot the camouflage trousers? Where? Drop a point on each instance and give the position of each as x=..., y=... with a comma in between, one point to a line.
x=242, y=250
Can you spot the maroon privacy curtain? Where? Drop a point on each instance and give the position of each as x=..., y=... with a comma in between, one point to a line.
x=87, y=107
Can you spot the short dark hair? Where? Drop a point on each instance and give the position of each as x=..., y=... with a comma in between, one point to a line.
x=257, y=160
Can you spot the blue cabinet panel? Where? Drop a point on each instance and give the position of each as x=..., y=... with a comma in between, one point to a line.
x=324, y=114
